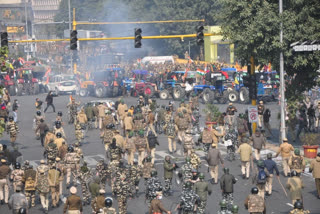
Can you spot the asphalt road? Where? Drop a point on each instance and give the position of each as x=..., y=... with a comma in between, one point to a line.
x=93, y=150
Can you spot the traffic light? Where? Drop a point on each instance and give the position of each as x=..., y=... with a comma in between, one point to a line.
x=253, y=87
x=246, y=81
x=4, y=39
x=73, y=40
x=137, y=37
x=200, y=35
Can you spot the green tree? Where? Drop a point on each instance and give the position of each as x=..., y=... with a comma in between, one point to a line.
x=254, y=27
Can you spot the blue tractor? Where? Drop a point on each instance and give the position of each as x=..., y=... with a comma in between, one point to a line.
x=213, y=90
x=239, y=92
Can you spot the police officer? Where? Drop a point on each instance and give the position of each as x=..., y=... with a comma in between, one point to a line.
x=70, y=162
x=188, y=142
x=296, y=161
x=43, y=166
x=121, y=190
x=226, y=183
x=72, y=106
x=37, y=122
x=298, y=208
x=17, y=176
x=153, y=185
x=141, y=145
x=42, y=187
x=168, y=174
x=115, y=153
x=12, y=129
x=30, y=185
x=186, y=171
x=271, y=166
x=84, y=177
x=189, y=200
x=254, y=203
x=147, y=168
x=108, y=209
x=295, y=185
x=130, y=147
x=223, y=207
x=59, y=129
x=103, y=171
x=135, y=175
x=156, y=205
x=107, y=136
x=4, y=175
x=59, y=140
x=51, y=152
x=202, y=189
x=171, y=130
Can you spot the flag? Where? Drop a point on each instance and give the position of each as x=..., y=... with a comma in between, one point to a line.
x=47, y=74
x=201, y=72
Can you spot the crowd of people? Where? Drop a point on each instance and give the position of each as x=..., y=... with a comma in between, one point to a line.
x=128, y=131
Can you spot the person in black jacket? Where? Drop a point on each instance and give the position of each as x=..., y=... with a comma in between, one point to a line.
x=271, y=166
x=14, y=155
x=226, y=184
x=49, y=100
x=152, y=141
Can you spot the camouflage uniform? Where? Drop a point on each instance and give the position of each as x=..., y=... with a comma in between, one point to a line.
x=153, y=185
x=72, y=111
x=12, y=130
x=138, y=121
x=37, y=122
x=107, y=138
x=187, y=143
x=186, y=172
x=104, y=173
x=188, y=200
x=70, y=162
x=146, y=170
x=115, y=155
x=84, y=177
x=52, y=153
x=44, y=167
x=79, y=156
x=141, y=145
x=299, y=211
x=135, y=175
x=17, y=178
x=30, y=185
x=43, y=189
x=195, y=160
x=121, y=191
x=78, y=132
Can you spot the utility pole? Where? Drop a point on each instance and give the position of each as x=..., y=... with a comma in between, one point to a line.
x=282, y=83
x=26, y=18
x=69, y=8
x=253, y=101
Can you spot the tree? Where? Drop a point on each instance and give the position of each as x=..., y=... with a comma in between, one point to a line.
x=254, y=27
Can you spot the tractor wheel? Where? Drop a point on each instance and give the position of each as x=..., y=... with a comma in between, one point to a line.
x=164, y=94
x=12, y=90
x=83, y=92
x=233, y=96
x=19, y=89
x=148, y=90
x=115, y=92
x=244, y=96
x=208, y=96
x=178, y=93
x=100, y=91
x=36, y=89
x=225, y=97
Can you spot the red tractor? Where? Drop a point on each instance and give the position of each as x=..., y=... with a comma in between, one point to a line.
x=8, y=83
x=26, y=83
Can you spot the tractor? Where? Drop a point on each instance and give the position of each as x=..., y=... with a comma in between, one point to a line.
x=239, y=92
x=26, y=83
x=6, y=82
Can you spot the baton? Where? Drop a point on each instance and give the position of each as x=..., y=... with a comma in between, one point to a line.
x=285, y=192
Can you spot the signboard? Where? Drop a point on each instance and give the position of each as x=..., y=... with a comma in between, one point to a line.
x=15, y=29
x=253, y=114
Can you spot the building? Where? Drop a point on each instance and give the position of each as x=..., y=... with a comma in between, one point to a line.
x=45, y=10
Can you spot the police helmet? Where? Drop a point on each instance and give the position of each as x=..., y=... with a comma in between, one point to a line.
x=223, y=203
x=60, y=113
x=70, y=149
x=141, y=133
x=17, y=165
x=294, y=173
x=108, y=202
x=58, y=135
x=254, y=190
x=226, y=170
x=235, y=209
x=11, y=118
x=130, y=134
x=39, y=113
x=269, y=155
x=153, y=173
x=22, y=211
x=167, y=108
x=260, y=163
x=201, y=175
x=188, y=159
x=188, y=185
x=298, y=205
x=148, y=158
x=297, y=151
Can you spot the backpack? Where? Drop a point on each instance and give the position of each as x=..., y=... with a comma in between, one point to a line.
x=262, y=177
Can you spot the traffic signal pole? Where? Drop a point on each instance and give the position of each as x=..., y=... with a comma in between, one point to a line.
x=253, y=101
x=74, y=27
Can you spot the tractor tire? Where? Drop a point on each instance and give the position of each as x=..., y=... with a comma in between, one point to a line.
x=36, y=89
x=244, y=96
x=148, y=90
x=178, y=93
x=100, y=91
x=233, y=96
x=83, y=92
x=115, y=91
x=19, y=89
x=164, y=94
x=12, y=90
x=208, y=96
x=225, y=97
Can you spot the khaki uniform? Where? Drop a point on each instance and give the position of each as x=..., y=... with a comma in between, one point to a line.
x=12, y=130
x=295, y=185
x=122, y=112
x=188, y=144
x=48, y=138
x=4, y=185
x=315, y=168
x=58, y=142
x=61, y=130
x=130, y=149
x=97, y=203
x=297, y=163
x=120, y=140
x=245, y=151
x=70, y=163
x=128, y=124
x=101, y=113
x=285, y=149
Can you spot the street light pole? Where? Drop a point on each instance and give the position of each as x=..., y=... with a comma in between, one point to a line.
x=26, y=18
x=282, y=83
x=69, y=8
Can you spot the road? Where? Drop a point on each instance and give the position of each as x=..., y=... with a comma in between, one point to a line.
x=94, y=151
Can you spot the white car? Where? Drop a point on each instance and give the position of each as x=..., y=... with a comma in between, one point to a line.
x=62, y=84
